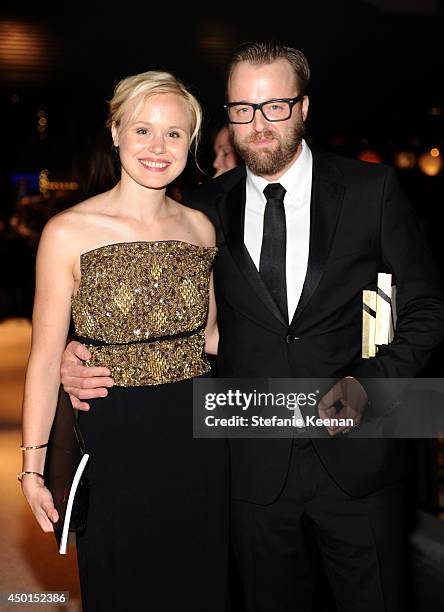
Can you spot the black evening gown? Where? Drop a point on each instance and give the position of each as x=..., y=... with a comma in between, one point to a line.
x=157, y=527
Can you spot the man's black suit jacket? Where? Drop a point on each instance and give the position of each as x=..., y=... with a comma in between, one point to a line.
x=360, y=224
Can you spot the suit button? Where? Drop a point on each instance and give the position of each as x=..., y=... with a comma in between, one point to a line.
x=290, y=338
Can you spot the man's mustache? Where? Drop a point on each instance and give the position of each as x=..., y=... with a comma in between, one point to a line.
x=260, y=135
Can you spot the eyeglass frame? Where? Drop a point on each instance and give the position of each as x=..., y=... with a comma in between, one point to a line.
x=290, y=101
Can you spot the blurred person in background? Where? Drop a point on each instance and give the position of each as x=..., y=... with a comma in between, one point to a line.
x=225, y=156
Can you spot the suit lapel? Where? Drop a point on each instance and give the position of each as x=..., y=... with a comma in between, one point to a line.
x=326, y=201
x=232, y=214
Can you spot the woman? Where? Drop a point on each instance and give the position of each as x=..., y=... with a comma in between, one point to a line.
x=133, y=267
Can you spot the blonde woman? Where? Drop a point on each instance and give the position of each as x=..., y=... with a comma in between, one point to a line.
x=133, y=269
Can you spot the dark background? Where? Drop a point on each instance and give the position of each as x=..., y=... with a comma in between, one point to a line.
x=376, y=74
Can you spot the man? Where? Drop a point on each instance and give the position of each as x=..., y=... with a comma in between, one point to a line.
x=300, y=235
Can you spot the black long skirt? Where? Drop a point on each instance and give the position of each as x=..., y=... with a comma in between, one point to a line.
x=157, y=528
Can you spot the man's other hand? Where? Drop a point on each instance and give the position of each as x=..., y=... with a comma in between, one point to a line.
x=351, y=394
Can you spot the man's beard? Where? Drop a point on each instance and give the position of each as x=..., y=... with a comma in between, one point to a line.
x=268, y=162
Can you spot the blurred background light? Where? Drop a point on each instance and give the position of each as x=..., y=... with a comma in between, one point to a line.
x=369, y=155
x=430, y=164
x=26, y=51
x=405, y=160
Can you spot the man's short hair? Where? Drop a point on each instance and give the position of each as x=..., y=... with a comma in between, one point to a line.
x=260, y=53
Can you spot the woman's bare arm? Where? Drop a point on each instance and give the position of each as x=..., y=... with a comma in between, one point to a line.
x=207, y=236
x=50, y=324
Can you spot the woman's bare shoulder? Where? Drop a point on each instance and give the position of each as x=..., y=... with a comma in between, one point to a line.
x=70, y=226
x=95, y=205
x=200, y=224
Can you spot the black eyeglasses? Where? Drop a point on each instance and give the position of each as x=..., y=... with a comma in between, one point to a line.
x=277, y=109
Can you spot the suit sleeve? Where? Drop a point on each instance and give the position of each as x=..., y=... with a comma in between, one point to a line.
x=419, y=297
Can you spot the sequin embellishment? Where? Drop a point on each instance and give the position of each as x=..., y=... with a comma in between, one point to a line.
x=141, y=290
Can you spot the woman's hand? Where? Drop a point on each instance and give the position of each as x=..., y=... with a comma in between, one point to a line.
x=41, y=502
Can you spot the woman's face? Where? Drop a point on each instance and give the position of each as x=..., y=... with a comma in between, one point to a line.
x=154, y=145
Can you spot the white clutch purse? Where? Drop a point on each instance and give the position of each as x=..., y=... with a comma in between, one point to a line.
x=378, y=315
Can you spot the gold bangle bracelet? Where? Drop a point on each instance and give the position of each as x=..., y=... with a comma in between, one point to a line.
x=21, y=474
x=27, y=448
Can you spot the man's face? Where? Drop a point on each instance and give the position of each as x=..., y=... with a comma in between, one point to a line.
x=267, y=147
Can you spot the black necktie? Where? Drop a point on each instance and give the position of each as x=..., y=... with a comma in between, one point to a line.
x=272, y=265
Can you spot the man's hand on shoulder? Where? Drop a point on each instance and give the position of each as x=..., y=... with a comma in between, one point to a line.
x=82, y=382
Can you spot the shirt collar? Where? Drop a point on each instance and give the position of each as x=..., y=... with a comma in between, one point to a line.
x=294, y=179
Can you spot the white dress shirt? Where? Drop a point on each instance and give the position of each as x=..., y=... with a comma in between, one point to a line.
x=297, y=182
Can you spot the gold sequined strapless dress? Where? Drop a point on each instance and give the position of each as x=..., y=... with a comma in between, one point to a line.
x=156, y=536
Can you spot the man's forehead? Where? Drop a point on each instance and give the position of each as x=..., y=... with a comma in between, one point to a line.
x=256, y=78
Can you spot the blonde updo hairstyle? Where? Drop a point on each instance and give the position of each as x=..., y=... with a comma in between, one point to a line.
x=139, y=88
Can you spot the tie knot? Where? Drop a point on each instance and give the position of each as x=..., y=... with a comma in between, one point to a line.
x=275, y=191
